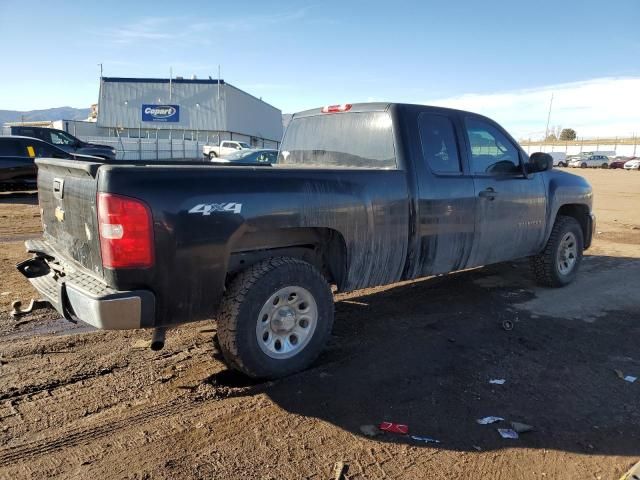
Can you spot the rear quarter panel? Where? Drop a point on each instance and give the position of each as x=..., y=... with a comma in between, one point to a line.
x=368, y=208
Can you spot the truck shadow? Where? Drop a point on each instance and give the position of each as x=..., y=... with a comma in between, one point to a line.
x=423, y=353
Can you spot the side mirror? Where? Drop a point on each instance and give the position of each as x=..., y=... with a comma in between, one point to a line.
x=539, y=162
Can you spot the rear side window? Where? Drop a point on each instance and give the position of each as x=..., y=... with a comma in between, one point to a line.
x=12, y=148
x=26, y=132
x=491, y=152
x=438, y=140
x=340, y=140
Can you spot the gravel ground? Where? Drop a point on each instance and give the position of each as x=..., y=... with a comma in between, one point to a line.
x=79, y=403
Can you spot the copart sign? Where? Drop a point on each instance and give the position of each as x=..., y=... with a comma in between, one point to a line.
x=160, y=113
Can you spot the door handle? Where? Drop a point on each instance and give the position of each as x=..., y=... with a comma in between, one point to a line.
x=489, y=193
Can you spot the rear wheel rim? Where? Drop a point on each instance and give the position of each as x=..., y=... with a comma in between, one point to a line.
x=286, y=322
x=567, y=253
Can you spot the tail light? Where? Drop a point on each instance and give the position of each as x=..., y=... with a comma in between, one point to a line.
x=345, y=107
x=126, y=232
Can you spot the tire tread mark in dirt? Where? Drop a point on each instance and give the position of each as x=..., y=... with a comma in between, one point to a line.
x=78, y=377
x=76, y=436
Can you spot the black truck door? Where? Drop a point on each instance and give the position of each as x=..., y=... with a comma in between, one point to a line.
x=511, y=207
x=446, y=200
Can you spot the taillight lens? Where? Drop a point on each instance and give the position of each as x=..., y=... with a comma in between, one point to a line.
x=126, y=232
x=345, y=107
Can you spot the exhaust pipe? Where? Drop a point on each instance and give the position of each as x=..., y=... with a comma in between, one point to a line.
x=157, y=339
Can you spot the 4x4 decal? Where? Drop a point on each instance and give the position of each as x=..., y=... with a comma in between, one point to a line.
x=207, y=208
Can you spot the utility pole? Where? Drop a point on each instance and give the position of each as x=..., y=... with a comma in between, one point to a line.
x=100, y=65
x=218, y=82
x=546, y=130
x=170, y=76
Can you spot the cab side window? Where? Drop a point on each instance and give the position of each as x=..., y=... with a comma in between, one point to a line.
x=438, y=140
x=60, y=139
x=491, y=152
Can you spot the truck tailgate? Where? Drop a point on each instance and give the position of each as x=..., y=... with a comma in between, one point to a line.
x=67, y=195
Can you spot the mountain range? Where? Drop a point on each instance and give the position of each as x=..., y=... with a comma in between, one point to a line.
x=60, y=113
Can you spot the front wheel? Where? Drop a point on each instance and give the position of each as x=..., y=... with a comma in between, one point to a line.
x=583, y=165
x=605, y=165
x=558, y=264
x=275, y=318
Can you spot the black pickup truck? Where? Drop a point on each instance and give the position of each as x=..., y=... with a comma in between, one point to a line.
x=361, y=195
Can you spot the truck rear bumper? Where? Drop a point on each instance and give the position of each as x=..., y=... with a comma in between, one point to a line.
x=77, y=295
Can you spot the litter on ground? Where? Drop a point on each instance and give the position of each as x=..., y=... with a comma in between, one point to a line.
x=369, y=430
x=394, y=428
x=508, y=433
x=424, y=439
x=630, y=378
x=497, y=381
x=488, y=420
x=521, y=427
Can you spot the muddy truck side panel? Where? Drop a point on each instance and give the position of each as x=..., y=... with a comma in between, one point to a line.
x=362, y=195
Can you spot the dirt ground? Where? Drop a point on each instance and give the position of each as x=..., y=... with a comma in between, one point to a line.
x=78, y=403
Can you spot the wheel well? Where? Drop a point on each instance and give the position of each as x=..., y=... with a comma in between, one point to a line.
x=324, y=248
x=581, y=214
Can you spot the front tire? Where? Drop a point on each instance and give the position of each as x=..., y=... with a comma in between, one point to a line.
x=557, y=265
x=583, y=165
x=275, y=318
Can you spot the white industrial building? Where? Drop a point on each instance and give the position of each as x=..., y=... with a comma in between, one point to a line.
x=211, y=110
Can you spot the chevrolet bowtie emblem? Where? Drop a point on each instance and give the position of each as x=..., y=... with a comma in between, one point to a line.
x=59, y=213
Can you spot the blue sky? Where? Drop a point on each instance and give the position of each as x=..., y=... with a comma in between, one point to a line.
x=299, y=54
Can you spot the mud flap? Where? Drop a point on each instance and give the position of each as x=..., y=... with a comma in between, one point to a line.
x=65, y=309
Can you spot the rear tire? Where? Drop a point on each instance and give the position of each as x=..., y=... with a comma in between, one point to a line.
x=275, y=318
x=212, y=155
x=558, y=264
x=605, y=165
x=583, y=165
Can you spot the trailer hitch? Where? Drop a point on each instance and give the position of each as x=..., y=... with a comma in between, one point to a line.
x=17, y=310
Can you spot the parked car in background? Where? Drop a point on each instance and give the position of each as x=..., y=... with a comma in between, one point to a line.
x=267, y=156
x=632, y=164
x=593, y=161
x=225, y=148
x=559, y=159
x=619, y=162
x=17, y=168
x=65, y=141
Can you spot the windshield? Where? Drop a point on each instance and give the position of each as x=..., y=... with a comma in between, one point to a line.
x=347, y=140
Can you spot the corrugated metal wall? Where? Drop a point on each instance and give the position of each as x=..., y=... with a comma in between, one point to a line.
x=121, y=103
x=249, y=115
x=121, y=100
